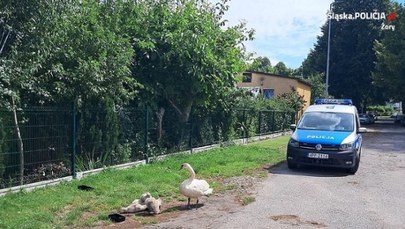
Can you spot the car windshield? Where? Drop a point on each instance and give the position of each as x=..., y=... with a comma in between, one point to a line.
x=327, y=121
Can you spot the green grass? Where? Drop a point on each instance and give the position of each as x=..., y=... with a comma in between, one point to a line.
x=65, y=206
x=247, y=200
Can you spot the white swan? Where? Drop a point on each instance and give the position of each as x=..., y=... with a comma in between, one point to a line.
x=193, y=188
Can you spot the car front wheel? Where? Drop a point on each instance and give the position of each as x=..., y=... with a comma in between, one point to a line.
x=291, y=165
x=354, y=169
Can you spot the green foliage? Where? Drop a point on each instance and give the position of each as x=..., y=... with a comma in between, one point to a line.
x=351, y=54
x=293, y=99
x=62, y=51
x=95, y=64
x=122, y=154
x=207, y=134
x=390, y=66
x=184, y=57
x=2, y=145
x=381, y=110
x=288, y=102
x=281, y=69
x=65, y=206
x=247, y=200
x=99, y=126
x=261, y=64
x=57, y=53
x=317, y=86
x=242, y=115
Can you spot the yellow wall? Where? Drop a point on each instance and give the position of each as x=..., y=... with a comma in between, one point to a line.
x=280, y=84
x=305, y=90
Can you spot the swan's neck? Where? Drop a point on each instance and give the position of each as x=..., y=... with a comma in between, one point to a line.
x=191, y=172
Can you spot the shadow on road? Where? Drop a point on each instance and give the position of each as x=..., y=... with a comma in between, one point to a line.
x=393, y=133
x=312, y=171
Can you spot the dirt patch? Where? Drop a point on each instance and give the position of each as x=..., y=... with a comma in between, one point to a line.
x=296, y=221
x=235, y=192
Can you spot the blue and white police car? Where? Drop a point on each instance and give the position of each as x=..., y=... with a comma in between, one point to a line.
x=328, y=134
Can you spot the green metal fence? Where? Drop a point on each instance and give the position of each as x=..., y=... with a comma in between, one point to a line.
x=58, y=142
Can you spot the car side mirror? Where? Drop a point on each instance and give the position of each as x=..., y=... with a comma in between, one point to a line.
x=362, y=130
x=293, y=127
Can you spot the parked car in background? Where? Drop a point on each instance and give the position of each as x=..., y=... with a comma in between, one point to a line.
x=373, y=115
x=366, y=119
x=400, y=119
x=395, y=115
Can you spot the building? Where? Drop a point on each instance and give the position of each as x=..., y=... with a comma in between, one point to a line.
x=271, y=85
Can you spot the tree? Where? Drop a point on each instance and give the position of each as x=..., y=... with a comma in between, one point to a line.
x=317, y=86
x=351, y=53
x=183, y=54
x=389, y=72
x=62, y=52
x=16, y=25
x=261, y=64
x=293, y=99
x=281, y=69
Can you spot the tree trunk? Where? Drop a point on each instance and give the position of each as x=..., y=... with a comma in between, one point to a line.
x=20, y=143
x=184, y=116
x=3, y=41
x=159, y=116
x=185, y=113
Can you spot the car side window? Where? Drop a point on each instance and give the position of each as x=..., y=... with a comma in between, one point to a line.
x=357, y=122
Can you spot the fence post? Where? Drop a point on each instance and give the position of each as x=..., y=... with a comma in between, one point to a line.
x=260, y=123
x=73, y=159
x=244, y=125
x=284, y=121
x=190, y=144
x=145, y=149
x=190, y=139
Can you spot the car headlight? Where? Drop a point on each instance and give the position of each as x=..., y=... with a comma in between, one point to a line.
x=346, y=146
x=293, y=143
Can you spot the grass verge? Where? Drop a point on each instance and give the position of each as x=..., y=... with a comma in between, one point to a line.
x=65, y=206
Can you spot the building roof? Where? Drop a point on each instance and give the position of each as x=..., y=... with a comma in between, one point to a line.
x=275, y=75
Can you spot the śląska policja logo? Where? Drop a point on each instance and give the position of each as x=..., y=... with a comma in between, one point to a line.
x=387, y=18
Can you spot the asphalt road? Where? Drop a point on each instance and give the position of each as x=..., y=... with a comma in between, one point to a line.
x=329, y=198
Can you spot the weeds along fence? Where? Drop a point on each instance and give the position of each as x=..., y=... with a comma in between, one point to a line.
x=58, y=142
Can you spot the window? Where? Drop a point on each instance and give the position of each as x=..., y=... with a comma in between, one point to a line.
x=268, y=93
x=327, y=121
x=247, y=78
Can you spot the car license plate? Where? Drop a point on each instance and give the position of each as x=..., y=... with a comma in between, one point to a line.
x=318, y=155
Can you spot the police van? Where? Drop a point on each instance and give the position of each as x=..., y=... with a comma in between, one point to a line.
x=328, y=134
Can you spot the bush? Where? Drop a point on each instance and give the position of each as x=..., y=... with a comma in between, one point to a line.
x=380, y=110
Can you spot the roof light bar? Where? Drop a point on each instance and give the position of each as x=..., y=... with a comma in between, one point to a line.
x=334, y=101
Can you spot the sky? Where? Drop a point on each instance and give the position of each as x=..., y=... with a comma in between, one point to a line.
x=285, y=30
